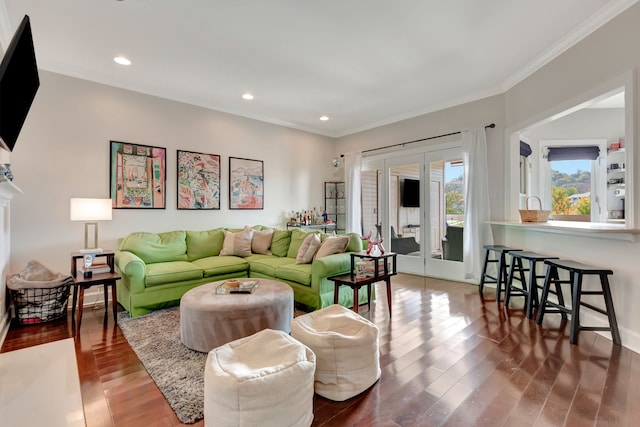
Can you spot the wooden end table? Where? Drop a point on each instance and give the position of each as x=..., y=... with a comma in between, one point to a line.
x=355, y=282
x=81, y=283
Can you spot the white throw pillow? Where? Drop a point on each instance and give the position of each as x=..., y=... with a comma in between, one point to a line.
x=332, y=245
x=308, y=249
x=261, y=241
x=238, y=244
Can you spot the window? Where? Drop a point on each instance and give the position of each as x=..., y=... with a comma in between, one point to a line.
x=574, y=179
x=571, y=188
x=587, y=175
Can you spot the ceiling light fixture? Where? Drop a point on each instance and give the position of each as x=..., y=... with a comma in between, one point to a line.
x=247, y=96
x=121, y=60
x=324, y=118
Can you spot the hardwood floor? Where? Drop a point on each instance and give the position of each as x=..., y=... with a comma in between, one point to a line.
x=448, y=358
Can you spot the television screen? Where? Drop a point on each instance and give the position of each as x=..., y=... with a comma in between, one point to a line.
x=19, y=83
x=410, y=193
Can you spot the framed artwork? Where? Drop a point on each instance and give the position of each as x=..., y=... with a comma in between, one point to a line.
x=138, y=176
x=246, y=184
x=198, y=180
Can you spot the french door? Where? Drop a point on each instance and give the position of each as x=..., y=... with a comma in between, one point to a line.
x=403, y=210
x=415, y=202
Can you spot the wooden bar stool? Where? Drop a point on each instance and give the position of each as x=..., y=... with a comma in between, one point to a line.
x=576, y=272
x=501, y=275
x=530, y=292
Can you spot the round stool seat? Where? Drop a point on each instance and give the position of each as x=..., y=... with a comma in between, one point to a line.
x=346, y=348
x=265, y=379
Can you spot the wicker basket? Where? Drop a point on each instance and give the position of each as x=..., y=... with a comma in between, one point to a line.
x=38, y=305
x=531, y=215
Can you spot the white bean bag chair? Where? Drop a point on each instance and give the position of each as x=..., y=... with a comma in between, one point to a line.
x=346, y=348
x=265, y=379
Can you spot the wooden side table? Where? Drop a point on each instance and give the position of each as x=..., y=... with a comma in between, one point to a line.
x=81, y=283
x=352, y=280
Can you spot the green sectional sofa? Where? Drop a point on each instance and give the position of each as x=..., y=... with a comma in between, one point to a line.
x=158, y=268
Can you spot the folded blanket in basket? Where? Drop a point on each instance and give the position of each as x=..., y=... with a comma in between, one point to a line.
x=36, y=275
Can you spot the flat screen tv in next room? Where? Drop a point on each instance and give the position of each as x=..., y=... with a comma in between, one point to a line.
x=410, y=193
x=19, y=83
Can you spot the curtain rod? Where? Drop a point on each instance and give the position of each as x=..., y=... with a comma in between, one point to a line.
x=402, y=144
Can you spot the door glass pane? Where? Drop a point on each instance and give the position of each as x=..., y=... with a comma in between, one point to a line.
x=370, y=181
x=446, y=214
x=404, y=209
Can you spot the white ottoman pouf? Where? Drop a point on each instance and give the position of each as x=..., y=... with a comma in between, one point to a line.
x=346, y=348
x=265, y=379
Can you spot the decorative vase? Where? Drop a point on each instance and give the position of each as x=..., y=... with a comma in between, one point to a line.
x=375, y=250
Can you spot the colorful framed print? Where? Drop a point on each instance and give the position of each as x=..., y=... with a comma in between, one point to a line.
x=198, y=180
x=138, y=176
x=246, y=183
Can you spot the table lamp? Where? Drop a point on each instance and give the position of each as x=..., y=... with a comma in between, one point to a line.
x=90, y=211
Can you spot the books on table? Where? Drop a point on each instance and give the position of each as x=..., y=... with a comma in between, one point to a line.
x=96, y=268
x=237, y=286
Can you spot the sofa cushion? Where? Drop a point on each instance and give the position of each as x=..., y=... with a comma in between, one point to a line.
x=161, y=273
x=355, y=242
x=308, y=249
x=237, y=243
x=157, y=247
x=216, y=265
x=332, y=245
x=280, y=242
x=201, y=244
x=261, y=241
x=299, y=273
x=297, y=238
x=267, y=265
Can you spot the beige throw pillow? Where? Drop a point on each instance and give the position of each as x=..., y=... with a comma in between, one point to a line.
x=308, y=249
x=238, y=244
x=332, y=245
x=261, y=241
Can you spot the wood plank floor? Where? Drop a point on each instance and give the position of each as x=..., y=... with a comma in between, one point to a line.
x=448, y=358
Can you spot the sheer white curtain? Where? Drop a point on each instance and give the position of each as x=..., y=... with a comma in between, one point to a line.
x=476, y=195
x=352, y=171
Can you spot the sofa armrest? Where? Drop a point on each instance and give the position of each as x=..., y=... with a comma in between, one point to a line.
x=329, y=266
x=132, y=269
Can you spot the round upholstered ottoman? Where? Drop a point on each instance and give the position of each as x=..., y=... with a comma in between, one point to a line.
x=209, y=320
x=346, y=348
x=265, y=379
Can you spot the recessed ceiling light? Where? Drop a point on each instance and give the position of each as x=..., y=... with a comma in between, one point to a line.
x=324, y=118
x=121, y=60
x=247, y=96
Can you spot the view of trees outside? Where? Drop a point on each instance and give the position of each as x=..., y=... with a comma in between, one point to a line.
x=454, y=194
x=571, y=191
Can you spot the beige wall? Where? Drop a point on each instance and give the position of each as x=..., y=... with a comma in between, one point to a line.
x=473, y=114
x=603, y=57
x=63, y=152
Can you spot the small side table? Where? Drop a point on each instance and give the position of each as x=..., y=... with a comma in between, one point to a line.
x=352, y=280
x=81, y=283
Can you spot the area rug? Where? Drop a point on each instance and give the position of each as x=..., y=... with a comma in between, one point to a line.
x=177, y=371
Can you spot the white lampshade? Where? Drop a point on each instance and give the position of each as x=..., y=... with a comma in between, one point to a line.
x=90, y=210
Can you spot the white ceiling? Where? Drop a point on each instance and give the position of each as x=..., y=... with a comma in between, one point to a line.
x=364, y=63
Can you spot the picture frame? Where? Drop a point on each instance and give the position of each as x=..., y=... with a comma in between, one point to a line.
x=246, y=183
x=137, y=176
x=198, y=177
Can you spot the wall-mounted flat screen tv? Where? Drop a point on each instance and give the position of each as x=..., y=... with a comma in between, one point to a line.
x=410, y=193
x=19, y=83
